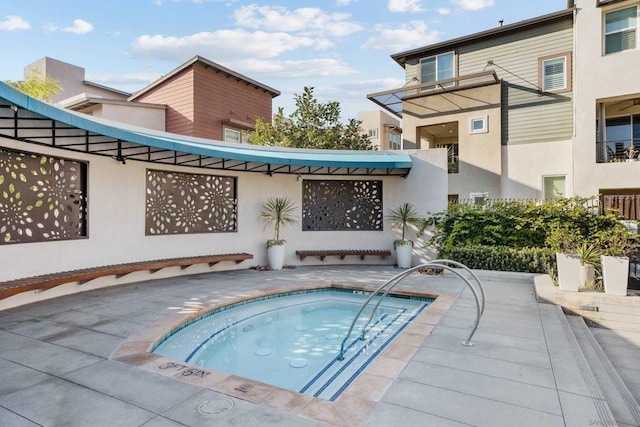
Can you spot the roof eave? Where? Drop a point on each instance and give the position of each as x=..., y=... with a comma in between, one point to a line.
x=401, y=57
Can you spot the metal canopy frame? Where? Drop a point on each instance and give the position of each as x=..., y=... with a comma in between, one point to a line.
x=25, y=119
x=392, y=100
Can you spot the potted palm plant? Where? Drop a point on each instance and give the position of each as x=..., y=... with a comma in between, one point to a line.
x=589, y=258
x=401, y=218
x=279, y=212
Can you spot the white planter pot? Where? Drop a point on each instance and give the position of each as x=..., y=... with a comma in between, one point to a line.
x=275, y=254
x=568, y=271
x=615, y=274
x=586, y=276
x=404, y=255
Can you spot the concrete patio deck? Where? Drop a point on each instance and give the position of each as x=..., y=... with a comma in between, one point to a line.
x=56, y=365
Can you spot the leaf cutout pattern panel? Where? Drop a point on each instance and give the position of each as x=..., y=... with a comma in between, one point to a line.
x=184, y=203
x=341, y=205
x=42, y=198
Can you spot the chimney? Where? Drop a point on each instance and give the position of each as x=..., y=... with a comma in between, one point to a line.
x=570, y=4
x=501, y=22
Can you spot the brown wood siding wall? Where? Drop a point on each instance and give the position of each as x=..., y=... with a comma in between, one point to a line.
x=219, y=99
x=177, y=93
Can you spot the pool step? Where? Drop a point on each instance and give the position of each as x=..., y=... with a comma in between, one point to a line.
x=620, y=399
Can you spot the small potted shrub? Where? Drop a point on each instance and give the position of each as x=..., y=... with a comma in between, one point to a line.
x=589, y=258
x=401, y=218
x=279, y=212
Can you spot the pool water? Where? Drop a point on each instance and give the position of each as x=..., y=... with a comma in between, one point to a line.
x=293, y=341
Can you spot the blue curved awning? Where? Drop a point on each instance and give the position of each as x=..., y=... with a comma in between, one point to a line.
x=29, y=120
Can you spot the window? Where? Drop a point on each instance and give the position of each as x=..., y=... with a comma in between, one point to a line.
x=478, y=125
x=437, y=67
x=394, y=141
x=620, y=29
x=554, y=73
x=554, y=187
x=232, y=135
x=373, y=133
x=452, y=156
x=478, y=198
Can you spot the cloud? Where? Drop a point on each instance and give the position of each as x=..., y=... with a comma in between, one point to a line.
x=223, y=45
x=14, y=23
x=343, y=2
x=307, y=20
x=292, y=69
x=473, y=4
x=401, y=6
x=79, y=27
x=444, y=11
x=397, y=38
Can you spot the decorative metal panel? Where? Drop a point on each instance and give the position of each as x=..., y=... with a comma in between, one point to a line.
x=179, y=203
x=341, y=205
x=42, y=198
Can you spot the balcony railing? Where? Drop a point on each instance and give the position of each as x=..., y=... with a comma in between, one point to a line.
x=618, y=151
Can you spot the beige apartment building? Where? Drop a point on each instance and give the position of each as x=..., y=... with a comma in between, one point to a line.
x=607, y=88
x=384, y=130
x=500, y=102
x=541, y=108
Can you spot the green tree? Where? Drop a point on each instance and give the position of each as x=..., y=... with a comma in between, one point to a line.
x=37, y=86
x=312, y=125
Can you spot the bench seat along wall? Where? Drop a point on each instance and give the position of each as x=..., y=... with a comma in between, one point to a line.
x=115, y=221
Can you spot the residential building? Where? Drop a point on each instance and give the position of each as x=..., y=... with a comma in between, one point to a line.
x=207, y=100
x=384, y=131
x=199, y=98
x=607, y=88
x=500, y=102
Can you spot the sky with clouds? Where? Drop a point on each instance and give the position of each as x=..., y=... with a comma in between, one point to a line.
x=340, y=47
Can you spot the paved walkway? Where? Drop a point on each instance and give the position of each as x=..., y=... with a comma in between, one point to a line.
x=56, y=370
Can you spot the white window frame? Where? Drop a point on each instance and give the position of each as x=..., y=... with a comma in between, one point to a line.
x=228, y=129
x=437, y=71
x=552, y=176
x=373, y=133
x=485, y=124
x=566, y=77
x=478, y=197
x=548, y=79
x=633, y=28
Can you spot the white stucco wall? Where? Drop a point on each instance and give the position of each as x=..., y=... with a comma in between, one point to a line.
x=150, y=117
x=116, y=217
x=525, y=165
x=600, y=77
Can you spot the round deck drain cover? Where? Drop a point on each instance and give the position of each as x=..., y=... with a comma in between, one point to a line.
x=215, y=406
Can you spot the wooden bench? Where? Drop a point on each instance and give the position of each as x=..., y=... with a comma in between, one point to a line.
x=343, y=253
x=48, y=281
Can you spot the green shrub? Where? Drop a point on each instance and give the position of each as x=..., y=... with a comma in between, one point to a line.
x=502, y=258
x=524, y=235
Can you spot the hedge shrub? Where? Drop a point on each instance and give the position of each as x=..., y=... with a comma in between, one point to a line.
x=503, y=258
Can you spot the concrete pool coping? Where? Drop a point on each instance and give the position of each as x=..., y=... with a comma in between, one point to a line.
x=57, y=366
x=357, y=400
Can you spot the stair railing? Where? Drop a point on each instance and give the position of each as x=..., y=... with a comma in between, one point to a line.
x=391, y=283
